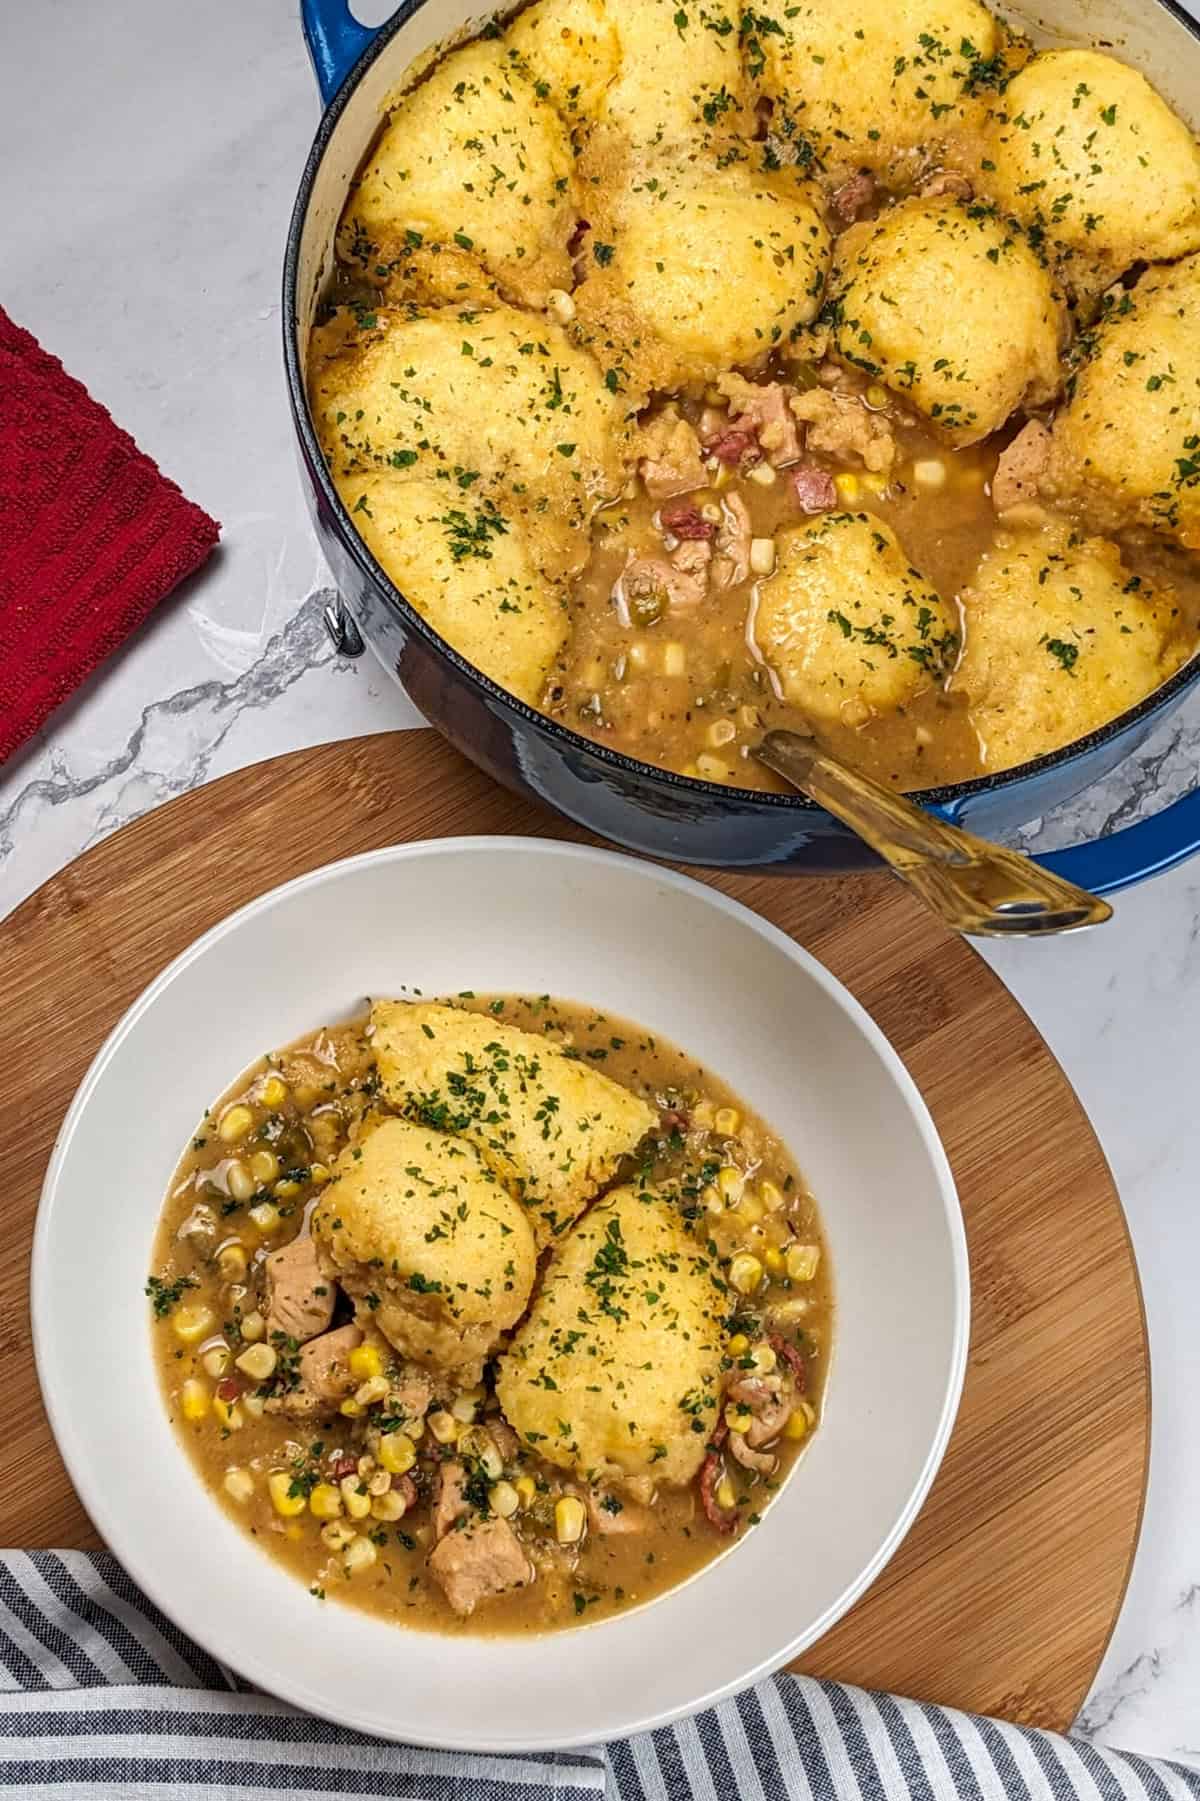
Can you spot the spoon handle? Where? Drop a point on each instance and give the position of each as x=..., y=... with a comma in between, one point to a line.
x=973, y=886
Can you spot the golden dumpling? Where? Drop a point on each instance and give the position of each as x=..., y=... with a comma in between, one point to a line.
x=846, y=626
x=1126, y=449
x=693, y=269
x=681, y=77
x=950, y=308
x=471, y=185
x=617, y=1371
x=431, y=1247
x=1085, y=152
x=494, y=405
x=466, y=568
x=1060, y=639
x=551, y=1127
x=572, y=48
x=859, y=84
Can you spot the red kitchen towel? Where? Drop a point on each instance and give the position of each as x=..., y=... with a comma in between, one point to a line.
x=92, y=535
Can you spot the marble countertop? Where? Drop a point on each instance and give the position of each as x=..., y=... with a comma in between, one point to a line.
x=145, y=250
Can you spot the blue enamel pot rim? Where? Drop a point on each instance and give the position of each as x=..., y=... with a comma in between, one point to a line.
x=342, y=51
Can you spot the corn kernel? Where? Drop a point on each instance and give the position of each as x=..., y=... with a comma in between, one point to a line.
x=482, y=1447
x=397, y=1452
x=726, y=1121
x=319, y=1174
x=372, y=1391
x=337, y=1535
x=365, y=1360
x=286, y=1504
x=725, y=1497
x=771, y=1196
x=503, y=1499
x=638, y=655
x=215, y=1362
x=443, y=1426
x=379, y=1484
x=195, y=1398
x=561, y=305
x=266, y=1217
x=254, y=1406
x=232, y=1263
x=721, y=732
x=235, y=1124
x=876, y=396
x=712, y=1199
x=526, y=1489
x=750, y=1208
x=929, y=472
x=264, y=1167
x=258, y=1362
x=287, y=1190
x=674, y=659
x=389, y=1506
x=228, y=1414
x=712, y=769
x=254, y=1327
x=239, y=1485
x=351, y=1408
x=731, y=1184
x=358, y=1505
x=739, y=1344
x=463, y=1408
x=365, y=1468
x=191, y=1324
x=239, y=1181
x=325, y=1502
x=803, y=1261
x=800, y=1421
x=745, y=1273
x=739, y=1419
x=875, y=484
x=774, y=1261
x=846, y=483
x=358, y=1556
x=764, y=1359
x=570, y=1519
x=274, y=1092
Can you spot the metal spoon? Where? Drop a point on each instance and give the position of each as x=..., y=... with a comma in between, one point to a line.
x=973, y=886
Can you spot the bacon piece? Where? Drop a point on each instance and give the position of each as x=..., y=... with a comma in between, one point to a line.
x=849, y=200
x=686, y=521
x=734, y=447
x=792, y=1356
x=814, y=488
x=707, y=1480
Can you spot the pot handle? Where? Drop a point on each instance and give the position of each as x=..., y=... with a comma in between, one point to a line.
x=1149, y=848
x=335, y=41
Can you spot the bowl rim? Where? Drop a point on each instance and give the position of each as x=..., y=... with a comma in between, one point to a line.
x=950, y=795
x=107, y=1515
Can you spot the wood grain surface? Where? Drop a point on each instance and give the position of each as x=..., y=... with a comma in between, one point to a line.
x=1003, y=1596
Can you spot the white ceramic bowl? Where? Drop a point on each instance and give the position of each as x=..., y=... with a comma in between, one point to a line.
x=511, y=914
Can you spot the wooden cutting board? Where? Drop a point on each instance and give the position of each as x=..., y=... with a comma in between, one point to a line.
x=1003, y=1596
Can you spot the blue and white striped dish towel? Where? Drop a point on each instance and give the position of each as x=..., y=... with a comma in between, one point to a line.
x=103, y=1699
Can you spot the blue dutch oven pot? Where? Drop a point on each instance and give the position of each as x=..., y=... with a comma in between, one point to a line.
x=645, y=809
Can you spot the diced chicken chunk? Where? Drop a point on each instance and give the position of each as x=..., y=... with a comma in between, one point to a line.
x=612, y=1517
x=848, y=200
x=324, y=1376
x=731, y=565
x=649, y=587
x=300, y=1296
x=671, y=461
x=478, y=1562
x=1021, y=467
x=450, y=1503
